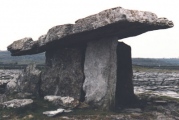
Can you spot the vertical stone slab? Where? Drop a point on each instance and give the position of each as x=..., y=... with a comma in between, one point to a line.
x=64, y=72
x=124, y=88
x=100, y=69
x=28, y=81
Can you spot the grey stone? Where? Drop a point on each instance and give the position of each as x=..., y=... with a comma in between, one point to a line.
x=16, y=103
x=3, y=87
x=3, y=98
x=64, y=72
x=108, y=74
x=54, y=112
x=28, y=82
x=124, y=86
x=118, y=22
x=65, y=102
x=100, y=70
x=11, y=87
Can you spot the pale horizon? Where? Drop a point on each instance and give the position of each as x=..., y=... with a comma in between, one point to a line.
x=34, y=18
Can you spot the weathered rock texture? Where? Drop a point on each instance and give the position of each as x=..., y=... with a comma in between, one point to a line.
x=118, y=22
x=29, y=80
x=64, y=102
x=108, y=74
x=64, y=72
x=16, y=103
x=100, y=70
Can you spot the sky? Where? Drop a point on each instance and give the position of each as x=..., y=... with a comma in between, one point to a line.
x=33, y=18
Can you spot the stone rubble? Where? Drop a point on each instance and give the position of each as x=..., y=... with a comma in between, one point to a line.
x=66, y=102
x=56, y=112
x=16, y=103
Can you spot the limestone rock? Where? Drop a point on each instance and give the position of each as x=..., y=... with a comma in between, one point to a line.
x=117, y=22
x=65, y=102
x=108, y=74
x=53, y=113
x=3, y=98
x=3, y=87
x=23, y=45
x=28, y=81
x=16, y=103
x=64, y=72
x=11, y=87
x=124, y=86
x=100, y=70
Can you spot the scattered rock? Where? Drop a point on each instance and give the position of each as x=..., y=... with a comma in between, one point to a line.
x=160, y=102
x=53, y=113
x=65, y=117
x=133, y=110
x=11, y=87
x=67, y=102
x=52, y=98
x=28, y=117
x=3, y=98
x=16, y=103
x=3, y=88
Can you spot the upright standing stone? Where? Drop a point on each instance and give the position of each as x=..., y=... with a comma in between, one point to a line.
x=108, y=74
x=124, y=87
x=29, y=80
x=100, y=71
x=64, y=72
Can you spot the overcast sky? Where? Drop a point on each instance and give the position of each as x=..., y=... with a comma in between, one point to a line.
x=32, y=18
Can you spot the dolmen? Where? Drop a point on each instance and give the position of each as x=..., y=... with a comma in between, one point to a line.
x=85, y=60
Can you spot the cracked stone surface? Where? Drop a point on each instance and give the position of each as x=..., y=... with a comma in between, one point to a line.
x=159, y=83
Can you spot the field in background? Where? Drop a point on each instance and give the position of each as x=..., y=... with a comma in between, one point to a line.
x=19, y=62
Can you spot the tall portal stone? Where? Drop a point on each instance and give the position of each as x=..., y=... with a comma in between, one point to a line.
x=64, y=72
x=124, y=87
x=100, y=71
x=108, y=74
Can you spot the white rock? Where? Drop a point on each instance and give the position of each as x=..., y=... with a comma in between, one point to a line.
x=16, y=103
x=52, y=97
x=53, y=113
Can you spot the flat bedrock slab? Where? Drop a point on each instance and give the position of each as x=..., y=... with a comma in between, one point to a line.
x=116, y=22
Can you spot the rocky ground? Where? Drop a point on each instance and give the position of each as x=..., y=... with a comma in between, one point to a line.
x=157, y=82
x=157, y=91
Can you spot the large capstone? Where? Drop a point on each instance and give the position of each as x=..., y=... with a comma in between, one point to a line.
x=64, y=72
x=116, y=22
